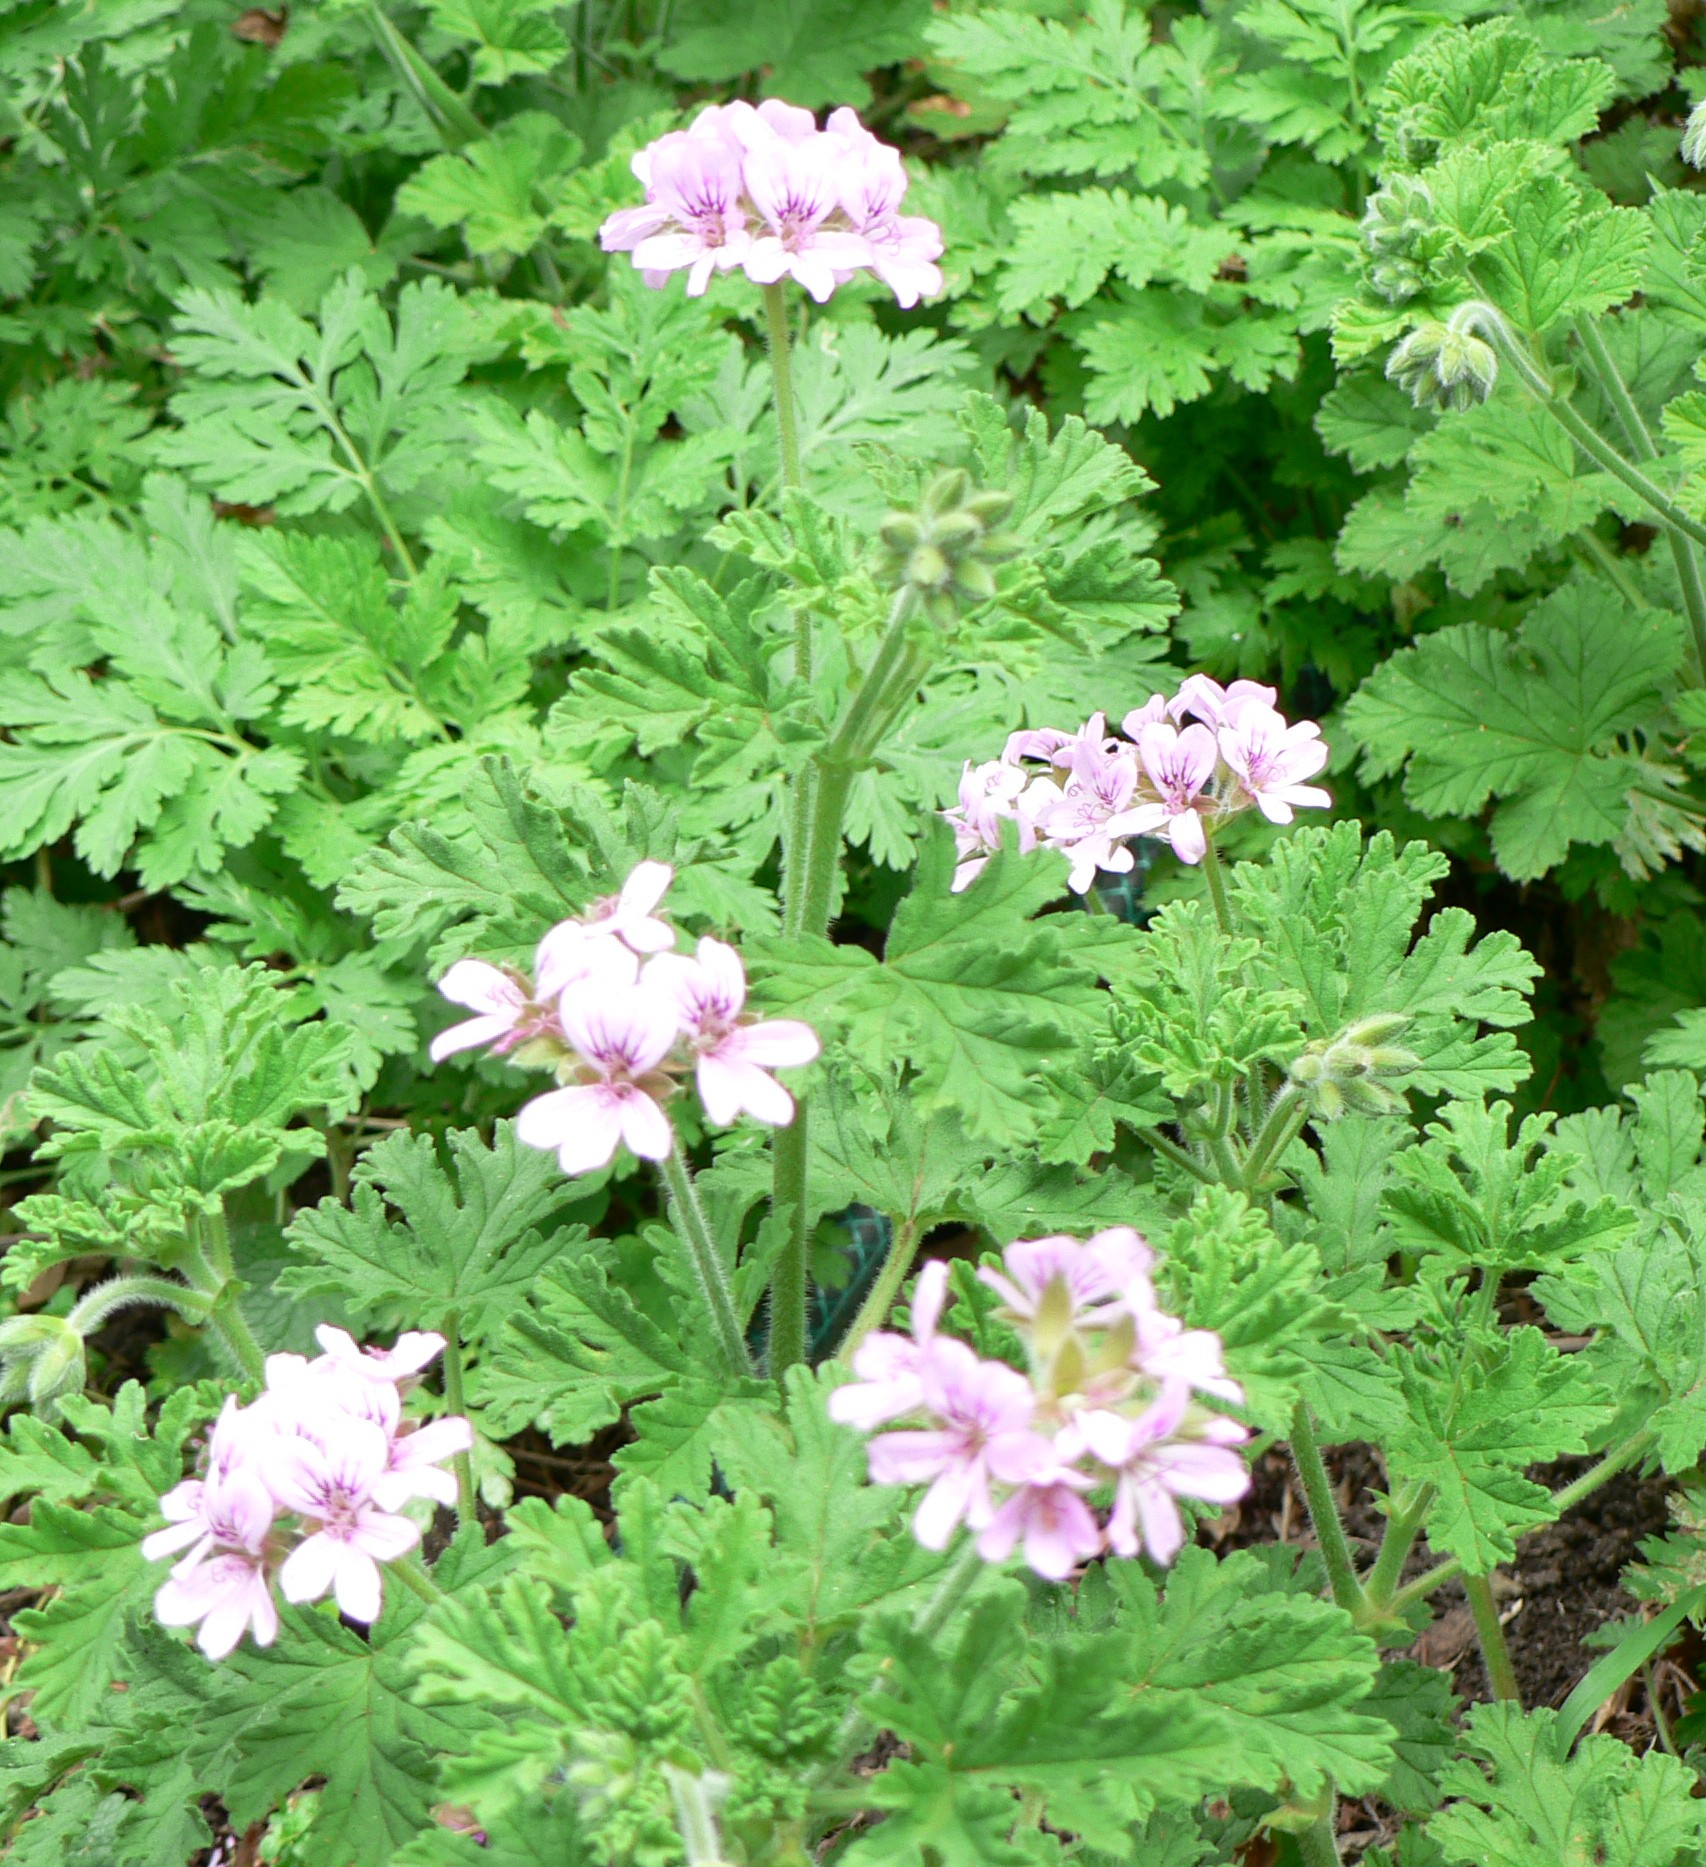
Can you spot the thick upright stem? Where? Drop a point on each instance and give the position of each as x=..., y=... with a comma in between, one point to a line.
x=462, y=1462
x=1501, y=1674
x=415, y=1579
x=903, y=1248
x=1643, y=447
x=1324, y=1512
x=711, y=1281
x=1286, y=1116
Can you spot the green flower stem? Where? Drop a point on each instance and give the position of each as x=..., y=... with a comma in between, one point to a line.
x=117, y=1293
x=462, y=1463
x=1583, y=433
x=782, y=376
x=1643, y=447
x=891, y=677
x=1179, y=1156
x=1501, y=1675
x=447, y=113
x=414, y=1577
x=1215, y=876
x=1318, y=1844
x=1285, y=1118
x=1636, y=1446
x=935, y=1614
x=1324, y=1512
x=903, y=1248
x=226, y=1325
x=1403, y=1526
x=694, y=1231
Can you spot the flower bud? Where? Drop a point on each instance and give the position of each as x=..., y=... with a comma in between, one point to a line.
x=1444, y=366
x=1397, y=217
x=945, y=549
x=901, y=532
x=41, y=1360
x=1343, y=1071
x=1693, y=150
x=947, y=491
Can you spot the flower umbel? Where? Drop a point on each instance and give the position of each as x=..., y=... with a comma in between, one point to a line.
x=620, y=1035
x=1107, y=1407
x=1183, y=764
x=304, y=1485
x=764, y=189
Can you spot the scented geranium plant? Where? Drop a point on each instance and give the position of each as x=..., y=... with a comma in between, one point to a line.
x=728, y=1228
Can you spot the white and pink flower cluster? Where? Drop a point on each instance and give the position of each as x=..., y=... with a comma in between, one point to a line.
x=766, y=190
x=304, y=1484
x=1109, y=1406
x=1087, y=793
x=619, y=1032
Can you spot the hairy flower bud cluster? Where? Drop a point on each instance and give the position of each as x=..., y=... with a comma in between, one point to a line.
x=1108, y=1408
x=946, y=550
x=1094, y=791
x=618, y=1033
x=305, y=1485
x=1395, y=226
x=1344, y=1072
x=766, y=190
x=41, y=1360
x=1447, y=365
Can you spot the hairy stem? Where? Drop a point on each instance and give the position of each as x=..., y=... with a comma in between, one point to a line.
x=1583, y=433
x=1286, y=1115
x=934, y=1615
x=1179, y=1156
x=1643, y=447
x=1318, y=1844
x=1215, y=876
x=790, y=1153
x=117, y=1293
x=782, y=376
x=1324, y=1511
x=225, y=1323
x=1403, y=1526
x=709, y=1277
x=447, y=113
x=414, y=1577
x=903, y=1248
x=462, y=1463
x=1501, y=1675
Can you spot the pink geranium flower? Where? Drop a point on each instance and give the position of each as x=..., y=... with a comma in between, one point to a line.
x=732, y=1059
x=903, y=248
x=1179, y=766
x=414, y=1468
x=227, y=1595
x=989, y=797
x=629, y=914
x=1200, y=698
x=1152, y=1468
x=1271, y=759
x=500, y=1000
x=1050, y=1518
x=1093, y=813
x=333, y=1486
x=229, y=1509
x=983, y=1411
x=1097, y=1279
x=795, y=188
x=622, y=1034
x=692, y=220
x=410, y=1353
x=890, y=1367
x=1175, y=1356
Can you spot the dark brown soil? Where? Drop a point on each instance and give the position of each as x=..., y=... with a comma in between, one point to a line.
x=1563, y=1586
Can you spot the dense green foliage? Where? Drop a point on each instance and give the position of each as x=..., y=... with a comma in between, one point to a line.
x=385, y=570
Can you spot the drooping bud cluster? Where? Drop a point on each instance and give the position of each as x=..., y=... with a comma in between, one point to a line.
x=1108, y=1409
x=304, y=1486
x=1344, y=1072
x=766, y=190
x=619, y=1034
x=947, y=549
x=1395, y=227
x=1446, y=365
x=1087, y=793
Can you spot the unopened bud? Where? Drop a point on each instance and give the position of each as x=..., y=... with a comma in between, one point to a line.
x=1376, y=1029
x=947, y=491
x=928, y=568
x=901, y=531
x=1397, y=217
x=1693, y=150
x=41, y=1360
